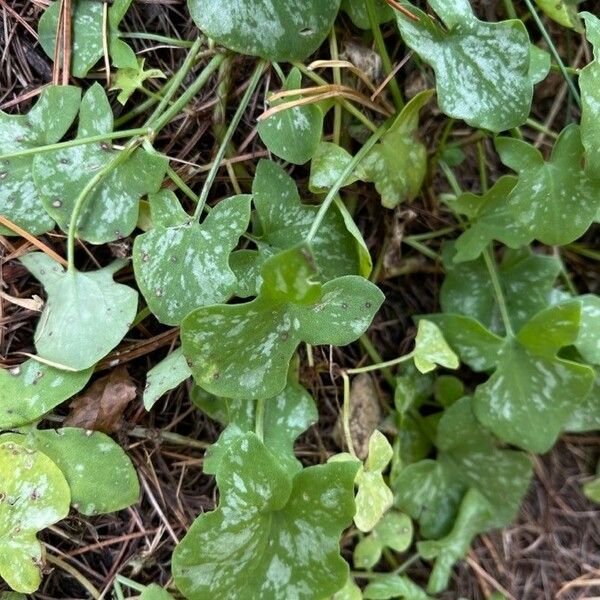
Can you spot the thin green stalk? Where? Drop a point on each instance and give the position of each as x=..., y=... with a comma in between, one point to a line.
x=142, y=107
x=495, y=279
x=337, y=79
x=383, y=52
x=350, y=167
x=168, y=437
x=78, y=142
x=510, y=9
x=164, y=118
x=79, y=577
x=119, y=158
x=355, y=112
x=483, y=180
x=134, y=585
x=259, y=425
x=376, y=358
x=233, y=125
x=583, y=251
x=554, y=52
x=118, y=590
x=541, y=127
x=154, y=37
x=346, y=414
x=382, y=365
x=430, y=235
x=422, y=248
x=182, y=185
x=451, y=178
x=177, y=80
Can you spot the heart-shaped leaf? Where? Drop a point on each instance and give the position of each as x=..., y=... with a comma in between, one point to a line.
x=554, y=202
x=530, y=383
x=244, y=350
x=277, y=30
x=294, y=133
x=86, y=314
x=46, y=123
x=165, y=376
x=180, y=264
x=32, y=389
x=386, y=587
x=34, y=495
x=273, y=536
x=482, y=69
x=327, y=166
x=589, y=84
x=284, y=221
x=285, y=417
x=357, y=12
x=473, y=515
x=88, y=32
x=526, y=279
x=155, y=592
x=431, y=349
x=110, y=211
x=398, y=163
x=588, y=339
x=98, y=472
x=430, y=491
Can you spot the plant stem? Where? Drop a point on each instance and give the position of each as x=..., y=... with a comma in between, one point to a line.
x=134, y=585
x=259, y=425
x=342, y=178
x=554, y=52
x=483, y=180
x=495, y=279
x=167, y=436
x=385, y=57
x=382, y=365
x=154, y=37
x=121, y=157
x=510, y=9
x=376, y=358
x=78, y=142
x=346, y=413
x=337, y=79
x=176, y=81
x=81, y=579
x=233, y=125
x=182, y=185
x=159, y=122
x=422, y=248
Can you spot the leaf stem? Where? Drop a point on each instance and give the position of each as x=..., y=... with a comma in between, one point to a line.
x=154, y=37
x=346, y=410
x=103, y=137
x=554, y=52
x=367, y=344
x=79, y=577
x=360, y=155
x=382, y=365
x=383, y=52
x=233, y=125
x=492, y=268
x=337, y=79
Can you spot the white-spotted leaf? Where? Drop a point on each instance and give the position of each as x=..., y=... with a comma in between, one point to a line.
x=389, y=587
x=34, y=495
x=165, y=376
x=589, y=84
x=86, y=314
x=277, y=30
x=110, y=210
x=273, y=536
x=327, y=166
x=46, y=123
x=431, y=349
x=357, y=12
x=180, y=264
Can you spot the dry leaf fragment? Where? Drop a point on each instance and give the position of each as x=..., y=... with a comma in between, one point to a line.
x=101, y=406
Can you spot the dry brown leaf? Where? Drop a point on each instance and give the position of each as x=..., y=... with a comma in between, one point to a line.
x=101, y=406
x=365, y=414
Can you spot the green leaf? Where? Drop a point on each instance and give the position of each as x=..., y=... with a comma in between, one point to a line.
x=367, y=552
x=46, y=123
x=586, y=416
x=326, y=167
x=395, y=531
x=131, y=79
x=294, y=133
x=98, y=472
x=430, y=491
x=431, y=349
x=273, y=536
x=86, y=314
x=87, y=30
x=373, y=497
x=474, y=513
x=32, y=389
x=155, y=592
x=554, y=202
x=589, y=84
x=561, y=11
x=588, y=339
x=526, y=279
x=277, y=30
x=244, y=350
x=350, y=591
x=284, y=221
x=482, y=69
x=285, y=417
x=111, y=209
x=398, y=163
x=357, y=12
x=531, y=385
x=34, y=496
x=180, y=264
x=592, y=488
x=165, y=376
x=387, y=587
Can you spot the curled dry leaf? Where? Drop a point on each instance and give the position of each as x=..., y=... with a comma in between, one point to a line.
x=102, y=406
